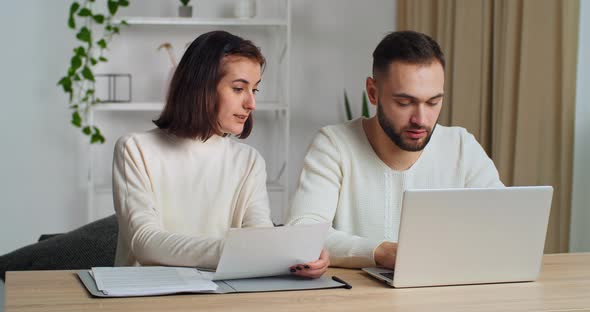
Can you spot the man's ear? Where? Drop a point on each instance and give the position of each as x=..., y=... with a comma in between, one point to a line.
x=372, y=92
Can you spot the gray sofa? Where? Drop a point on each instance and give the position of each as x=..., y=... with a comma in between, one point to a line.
x=91, y=245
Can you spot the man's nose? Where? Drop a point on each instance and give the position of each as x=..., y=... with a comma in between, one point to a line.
x=418, y=115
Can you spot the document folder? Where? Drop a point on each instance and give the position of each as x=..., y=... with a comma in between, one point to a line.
x=261, y=284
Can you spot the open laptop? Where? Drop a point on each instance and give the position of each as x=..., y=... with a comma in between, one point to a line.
x=469, y=236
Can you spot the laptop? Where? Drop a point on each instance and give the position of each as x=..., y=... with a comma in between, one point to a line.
x=469, y=236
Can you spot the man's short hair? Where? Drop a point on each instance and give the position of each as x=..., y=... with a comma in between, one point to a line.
x=408, y=47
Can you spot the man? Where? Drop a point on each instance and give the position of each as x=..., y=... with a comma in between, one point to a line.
x=354, y=174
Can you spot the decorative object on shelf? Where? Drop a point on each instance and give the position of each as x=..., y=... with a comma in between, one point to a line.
x=111, y=84
x=365, y=106
x=185, y=10
x=170, y=50
x=79, y=82
x=245, y=8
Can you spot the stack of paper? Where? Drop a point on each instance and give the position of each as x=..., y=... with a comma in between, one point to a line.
x=145, y=281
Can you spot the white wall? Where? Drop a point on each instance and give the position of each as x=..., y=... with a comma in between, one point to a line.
x=333, y=42
x=42, y=160
x=39, y=181
x=580, y=227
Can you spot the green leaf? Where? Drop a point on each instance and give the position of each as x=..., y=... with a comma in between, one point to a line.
x=99, y=18
x=74, y=106
x=113, y=6
x=108, y=28
x=86, y=130
x=71, y=22
x=87, y=73
x=96, y=130
x=74, y=7
x=102, y=43
x=84, y=35
x=76, y=119
x=102, y=59
x=115, y=29
x=66, y=84
x=75, y=63
x=185, y=2
x=85, y=12
x=76, y=77
x=124, y=22
x=97, y=138
x=347, y=107
x=80, y=51
x=365, y=105
x=123, y=3
x=93, y=61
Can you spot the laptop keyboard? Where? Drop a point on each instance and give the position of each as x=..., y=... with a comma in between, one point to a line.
x=387, y=275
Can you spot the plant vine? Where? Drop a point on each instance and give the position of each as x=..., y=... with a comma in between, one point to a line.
x=79, y=82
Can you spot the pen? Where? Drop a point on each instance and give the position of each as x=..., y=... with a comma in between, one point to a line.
x=339, y=280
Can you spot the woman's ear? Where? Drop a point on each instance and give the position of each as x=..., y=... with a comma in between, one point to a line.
x=372, y=92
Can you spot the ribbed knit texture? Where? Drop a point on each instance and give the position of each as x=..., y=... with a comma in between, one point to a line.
x=344, y=182
x=176, y=198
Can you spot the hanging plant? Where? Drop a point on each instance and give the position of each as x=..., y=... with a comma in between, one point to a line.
x=79, y=81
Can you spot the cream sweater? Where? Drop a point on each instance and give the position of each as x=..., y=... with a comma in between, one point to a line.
x=344, y=182
x=176, y=198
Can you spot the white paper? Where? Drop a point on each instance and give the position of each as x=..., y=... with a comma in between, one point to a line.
x=259, y=252
x=138, y=281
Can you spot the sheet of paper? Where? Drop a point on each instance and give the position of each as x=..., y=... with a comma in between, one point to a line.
x=259, y=252
x=137, y=281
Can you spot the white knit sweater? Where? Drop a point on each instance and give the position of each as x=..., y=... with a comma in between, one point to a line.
x=176, y=198
x=344, y=182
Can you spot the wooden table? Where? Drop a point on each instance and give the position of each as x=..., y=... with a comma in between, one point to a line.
x=564, y=285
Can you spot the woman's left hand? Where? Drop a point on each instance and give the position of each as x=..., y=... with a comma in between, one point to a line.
x=313, y=269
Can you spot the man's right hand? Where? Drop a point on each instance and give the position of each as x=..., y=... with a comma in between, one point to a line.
x=385, y=254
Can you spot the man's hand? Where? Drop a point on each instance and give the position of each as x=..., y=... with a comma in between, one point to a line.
x=385, y=254
x=313, y=269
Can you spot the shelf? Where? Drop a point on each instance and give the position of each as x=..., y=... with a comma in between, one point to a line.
x=181, y=21
x=271, y=186
x=158, y=106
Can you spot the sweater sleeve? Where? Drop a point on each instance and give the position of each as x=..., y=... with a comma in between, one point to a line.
x=316, y=200
x=139, y=217
x=480, y=171
x=255, y=196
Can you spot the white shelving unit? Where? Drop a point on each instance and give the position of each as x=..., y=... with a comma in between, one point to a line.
x=277, y=109
x=158, y=106
x=178, y=21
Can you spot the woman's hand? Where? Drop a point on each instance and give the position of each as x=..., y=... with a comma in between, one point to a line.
x=313, y=269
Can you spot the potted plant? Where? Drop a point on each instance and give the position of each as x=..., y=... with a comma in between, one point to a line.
x=364, y=107
x=185, y=10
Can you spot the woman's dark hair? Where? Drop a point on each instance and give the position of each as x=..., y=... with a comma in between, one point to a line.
x=192, y=102
x=408, y=47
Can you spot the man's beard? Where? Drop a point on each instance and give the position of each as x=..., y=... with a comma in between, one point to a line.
x=389, y=129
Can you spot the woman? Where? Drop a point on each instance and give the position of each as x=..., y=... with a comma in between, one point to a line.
x=178, y=188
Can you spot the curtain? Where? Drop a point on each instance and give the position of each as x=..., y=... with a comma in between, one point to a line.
x=510, y=80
